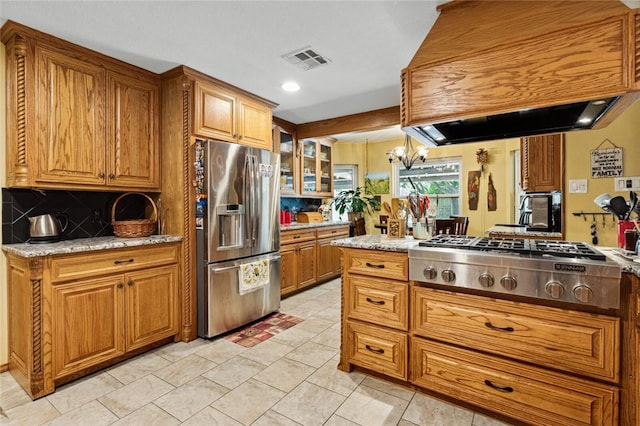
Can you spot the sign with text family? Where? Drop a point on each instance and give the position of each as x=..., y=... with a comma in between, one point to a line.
x=606, y=162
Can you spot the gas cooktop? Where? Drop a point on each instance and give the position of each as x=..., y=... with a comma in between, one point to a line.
x=522, y=246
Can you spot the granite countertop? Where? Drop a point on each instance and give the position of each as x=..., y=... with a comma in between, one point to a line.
x=84, y=244
x=627, y=260
x=377, y=242
x=299, y=225
x=518, y=230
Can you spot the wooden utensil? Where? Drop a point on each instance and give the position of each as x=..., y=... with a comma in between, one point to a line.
x=395, y=207
x=387, y=209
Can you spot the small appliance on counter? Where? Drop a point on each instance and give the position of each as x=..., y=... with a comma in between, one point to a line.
x=541, y=211
x=47, y=228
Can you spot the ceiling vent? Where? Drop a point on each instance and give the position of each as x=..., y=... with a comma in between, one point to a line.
x=306, y=58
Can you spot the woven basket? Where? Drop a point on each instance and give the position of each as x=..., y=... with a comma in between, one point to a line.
x=135, y=227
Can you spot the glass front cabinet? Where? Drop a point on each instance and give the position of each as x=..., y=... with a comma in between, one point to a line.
x=289, y=164
x=317, y=167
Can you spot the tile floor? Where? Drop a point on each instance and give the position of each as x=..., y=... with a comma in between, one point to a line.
x=290, y=379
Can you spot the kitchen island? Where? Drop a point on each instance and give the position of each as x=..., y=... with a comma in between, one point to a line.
x=537, y=362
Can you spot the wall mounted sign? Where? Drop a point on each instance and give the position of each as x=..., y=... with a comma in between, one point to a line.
x=606, y=162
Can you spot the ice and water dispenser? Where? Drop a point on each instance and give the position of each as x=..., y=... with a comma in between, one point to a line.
x=230, y=221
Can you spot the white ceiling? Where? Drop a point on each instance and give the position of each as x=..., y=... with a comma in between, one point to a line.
x=241, y=43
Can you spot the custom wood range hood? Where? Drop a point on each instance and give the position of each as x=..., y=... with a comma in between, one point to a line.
x=496, y=69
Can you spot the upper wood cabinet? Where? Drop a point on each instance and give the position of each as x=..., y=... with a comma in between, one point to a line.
x=317, y=166
x=285, y=143
x=77, y=119
x=541, y=163
x=221, y=114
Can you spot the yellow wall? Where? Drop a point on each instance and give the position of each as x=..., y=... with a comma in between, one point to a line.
x=370, y=158
x=4, y=343
x=624, y=132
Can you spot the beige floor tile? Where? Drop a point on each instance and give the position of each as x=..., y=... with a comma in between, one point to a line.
x=329, y=377
x=312, y=354
x=135, y=395
x=220, y=350
x=211, y=417
x=271, y=418
x=404, y=422
x=249, y=401
x=329, y=337
x=336, y=420
x=11, y=393
x=80, y=392
x=150, y=414
x=331, y=313
x=91, y=414
x=314, y=325
x=480, y=420
x=267, y=352
x=309, y=404
x=423, y=410
x=234, y=372
x=33, y=413
x=175, y=351
x=138, y=367
x=187, y=368
x=293, y=337
x=190, y=398
x=390, y=388
x=284, y=374
x=370, y=407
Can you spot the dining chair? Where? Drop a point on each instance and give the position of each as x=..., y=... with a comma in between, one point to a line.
x=453, y=226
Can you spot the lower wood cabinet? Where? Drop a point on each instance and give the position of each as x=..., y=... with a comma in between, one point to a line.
x=71, y=314
x=308, y=256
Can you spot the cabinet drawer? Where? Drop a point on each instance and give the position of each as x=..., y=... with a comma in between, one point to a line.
x=288, y=237
x=91, y=264
x=378, y=349
x=530, y=394
x=378, y=264
x=378, y=301
x=333, y=231
x=577, y=342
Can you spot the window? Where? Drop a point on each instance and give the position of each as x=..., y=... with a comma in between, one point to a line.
x=345, y=177
x=438, y=178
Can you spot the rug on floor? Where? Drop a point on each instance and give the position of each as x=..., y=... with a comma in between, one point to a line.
x=255, y=333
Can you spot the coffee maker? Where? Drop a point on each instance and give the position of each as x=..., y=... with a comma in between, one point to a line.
x=541, y=211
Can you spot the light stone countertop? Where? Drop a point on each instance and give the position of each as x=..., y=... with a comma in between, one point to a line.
x=377, y=242
x=84, y=244
x=627, y=260
x=299, y=225
x=509, y=231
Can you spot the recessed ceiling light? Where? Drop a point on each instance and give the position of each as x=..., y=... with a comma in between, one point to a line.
x=290, y=86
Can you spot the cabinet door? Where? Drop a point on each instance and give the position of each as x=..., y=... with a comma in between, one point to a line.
x=87, y=323
x=288, y=161
x=254, y=124
x=215, y=113
x=542, y=165
x=306, y=264
x=70, y=97
x=328, y=259
x=151, y=305
x=133, y=139
x=288, y=262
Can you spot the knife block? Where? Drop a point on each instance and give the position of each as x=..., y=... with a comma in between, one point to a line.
x=396, y=228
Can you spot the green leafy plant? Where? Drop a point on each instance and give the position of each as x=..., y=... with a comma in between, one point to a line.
x=357, y=200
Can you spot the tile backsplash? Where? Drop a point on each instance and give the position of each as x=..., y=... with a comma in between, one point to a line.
x=89, y=213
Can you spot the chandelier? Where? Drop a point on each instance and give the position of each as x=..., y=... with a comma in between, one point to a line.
x=407, y=155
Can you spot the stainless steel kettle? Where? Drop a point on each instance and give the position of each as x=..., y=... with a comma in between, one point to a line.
x=47, y=228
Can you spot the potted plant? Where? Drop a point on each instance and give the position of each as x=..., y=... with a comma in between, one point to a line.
x=356, y=202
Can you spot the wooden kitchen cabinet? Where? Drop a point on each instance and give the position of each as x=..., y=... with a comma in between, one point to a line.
x=541, y=163
x=221, y=114
x=329, y=256
x=317, y=167
x=298, y=259
x=77, y=119
x=285, y=142
x=73, y=314
x=375, y=294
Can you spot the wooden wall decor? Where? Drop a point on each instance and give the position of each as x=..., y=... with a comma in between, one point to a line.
x=473, y=187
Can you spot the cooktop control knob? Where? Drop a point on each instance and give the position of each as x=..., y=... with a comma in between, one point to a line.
x=485, y=279
x=583, y=293
x=448, y=276
x=554, y=289
x=508, y=282
x=430, y=272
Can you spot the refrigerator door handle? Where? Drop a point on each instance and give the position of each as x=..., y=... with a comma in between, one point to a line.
x=246, y=193
x=254, y=201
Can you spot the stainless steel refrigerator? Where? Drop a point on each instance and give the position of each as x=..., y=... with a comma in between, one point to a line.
x=237, y=235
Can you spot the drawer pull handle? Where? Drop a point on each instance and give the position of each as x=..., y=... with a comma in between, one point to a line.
x=500, y=388
x=295, y=237
x=131, y=282
x=375, y=302
x=372, y=265
x=493, y=327
x=120, y=285
x=118, y=262
x=374, y=350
